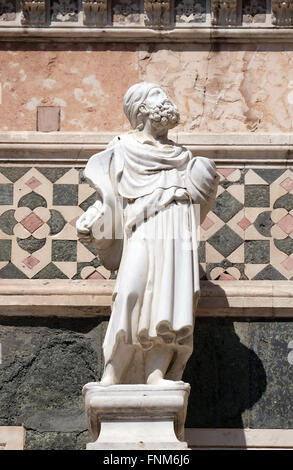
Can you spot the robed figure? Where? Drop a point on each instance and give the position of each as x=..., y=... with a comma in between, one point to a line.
x=152, y=195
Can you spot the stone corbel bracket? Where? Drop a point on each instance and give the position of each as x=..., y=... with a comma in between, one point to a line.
x=157, y=13
x=224, y=12
x=95, y=13
x=33, y=12
x=282, y=12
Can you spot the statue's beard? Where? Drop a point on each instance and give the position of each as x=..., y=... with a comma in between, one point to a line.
x=164, y=115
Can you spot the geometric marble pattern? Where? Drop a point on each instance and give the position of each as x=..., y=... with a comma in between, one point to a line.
x=248, y=234
x=39, y=207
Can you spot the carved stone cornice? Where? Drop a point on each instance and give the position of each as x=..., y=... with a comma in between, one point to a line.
x=224, y=12
x=157, y=13
x=91, y=298
x=95, y=12
x=33, y=12
x=282, y=12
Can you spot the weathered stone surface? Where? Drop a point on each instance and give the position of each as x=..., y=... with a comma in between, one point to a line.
x=50, y=272
x=257, y=251
x=5, y=250
x=257, y=195
x=45, y=364
x=56, y=440
x=226, y=206
x=218, y=373
x=65, y=194
x=31, y=244
x=269, y=273
x=263, y=223
x=64, y=250
x=56, y=222
x=225, y=87
x=94, y=75
x=239, y=375
x=10, y=271
x=6, y=194
x=269, y=340
x=32, y=200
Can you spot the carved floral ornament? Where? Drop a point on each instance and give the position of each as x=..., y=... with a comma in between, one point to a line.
x=95, y=12
x=224, y=12
x=282, y=12
x=157, y=13
x=33, y=12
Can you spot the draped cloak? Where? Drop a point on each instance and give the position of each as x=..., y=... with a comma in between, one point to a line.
x=148, y=196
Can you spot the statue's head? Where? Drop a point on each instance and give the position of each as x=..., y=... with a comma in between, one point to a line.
x=144, y=101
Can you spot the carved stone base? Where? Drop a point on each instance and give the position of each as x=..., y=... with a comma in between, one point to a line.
x=138, y=417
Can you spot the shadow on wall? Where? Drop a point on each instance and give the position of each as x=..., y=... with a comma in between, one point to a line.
x=226, y=377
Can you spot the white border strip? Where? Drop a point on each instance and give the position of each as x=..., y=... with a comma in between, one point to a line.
x=74, y=146
x=196, y=34
x=88, y=298
x=277, y=439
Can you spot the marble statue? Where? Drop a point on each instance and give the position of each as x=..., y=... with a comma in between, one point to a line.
x=145, y=222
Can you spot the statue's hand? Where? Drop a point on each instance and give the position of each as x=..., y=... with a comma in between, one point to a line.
x=85, y=222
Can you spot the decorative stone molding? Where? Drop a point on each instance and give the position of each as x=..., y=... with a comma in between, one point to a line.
x=182, y=33
x=282, y=12
x=91, y=298
x=72, y=147
x=190, y=11
x=157, y=13
x=224, y=12
x=95, y=12
x=33, y=12
x=64, y=10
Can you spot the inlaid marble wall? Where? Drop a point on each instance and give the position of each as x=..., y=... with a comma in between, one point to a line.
x=240, y=376
x=248, y=234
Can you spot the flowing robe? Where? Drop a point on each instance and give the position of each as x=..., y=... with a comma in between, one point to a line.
x=154, y=193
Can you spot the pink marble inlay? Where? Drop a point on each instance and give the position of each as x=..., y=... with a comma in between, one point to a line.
x=32, y=222
x=226, y=171
x=95, y=275
x=207, y=223
x=31, y=261
x=73, y=221
x=33, y=183
x=286, y=224
x=244, y=223
x=288, y=263
x=287, y=184
x=226, y=277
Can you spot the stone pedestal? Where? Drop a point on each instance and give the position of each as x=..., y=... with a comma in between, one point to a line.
x=136, y=416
